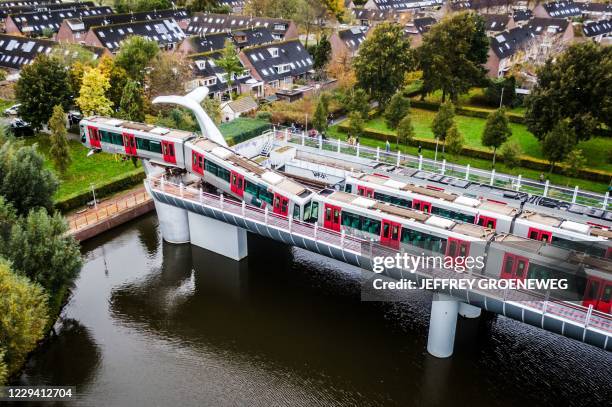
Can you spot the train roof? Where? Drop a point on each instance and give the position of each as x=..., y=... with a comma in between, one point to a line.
x=466, y=229
x=566, y=225
x=278, y=181
x=142, y=127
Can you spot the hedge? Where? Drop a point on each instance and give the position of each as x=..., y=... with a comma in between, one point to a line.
x=115, y=184
x=486, y=154
x=466, y=111
x=243, y=128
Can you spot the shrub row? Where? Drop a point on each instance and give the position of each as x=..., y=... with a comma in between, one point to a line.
x=486, y=154
x=115, y=184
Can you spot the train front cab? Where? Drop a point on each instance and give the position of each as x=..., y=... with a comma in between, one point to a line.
x=598, y=293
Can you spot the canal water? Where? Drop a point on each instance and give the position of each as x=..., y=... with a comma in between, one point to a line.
x=156, y=324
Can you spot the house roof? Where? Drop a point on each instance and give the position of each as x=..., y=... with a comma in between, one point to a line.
x=35, y=22
x=353, y=37
x=209, y=23
x=496, y=22
x=400, y=5
x=242, y=105
x=595, y=7
x=594, y=28
x=522, y=14
x=423, y=24
x=509, y=42
x=11, y=7
x=81, y=24
x=17, y=51
x=562, y=9
x=163, y=31
x=374, y=15
x=204, y=66
x=242, y=38
x=279, y=60
x=477, y=4
x=547, y=25
x=231, y=3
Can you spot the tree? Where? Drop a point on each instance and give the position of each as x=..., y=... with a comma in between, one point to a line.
x=574, y=162
x=577, y=86
x=117, y=76
x=23, y=307
x=212, y=107
x=131, y=106
x=135, y=55
x=230, y=63
x=443, y=121
x=501, y=91
x=356, y=100
x=396, y=110
x=496, y=131
x=40, y=249
x=92, y=98
x=24, y=180
x=356, y=124
x=59, y=151
x=41, y=86
x=511, y=154
x=321, y=53
x=405, y=130
x=319, y=121
x=453, y=53
x=558, y=142
x=454, y=141
x=384, y=57
x=167, y=74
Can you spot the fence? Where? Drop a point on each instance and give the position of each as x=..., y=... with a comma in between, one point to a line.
x=447, y=169
x=576, y=313
x=104, y=211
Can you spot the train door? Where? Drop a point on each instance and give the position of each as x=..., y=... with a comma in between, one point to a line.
x=197, y=164
x=168, y=153
x=281, y=204
x=390, y=234
x=514, y=267
x=237, y=186
x=538, y=234
x=457, y=247
x=422, y=206
x=605, y=301
x=331, y=217
x=129, y=142
x=487, y=222
x=365, y=191
x=94, y=137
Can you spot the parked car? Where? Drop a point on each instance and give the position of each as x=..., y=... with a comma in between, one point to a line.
x=13, y=110
x=21, y=128
x=74, y=117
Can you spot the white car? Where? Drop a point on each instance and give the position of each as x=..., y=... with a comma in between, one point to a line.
x=13, y=110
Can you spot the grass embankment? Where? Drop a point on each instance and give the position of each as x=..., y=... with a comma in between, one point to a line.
x=466, y=123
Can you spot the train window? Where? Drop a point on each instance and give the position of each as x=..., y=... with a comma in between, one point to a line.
x=607, y=294
x=311, y=212
x=142, y=144
x=533, y=235
x=592, y=291
x=105, y=136
x=155, y=146
x=395, y=232
x=348, y=188
x=117, y=139
x=265, y=195
x=251, y=188
x=328, y=214
x=386, y=230
x=370, y=225
x=336, y=215
x=296, y=211
x=284, y=205
x=508, y=265
x=520, y=268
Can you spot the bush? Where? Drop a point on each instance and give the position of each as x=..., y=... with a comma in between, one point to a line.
x=243, y=128
x=263, y=116
x=511, y=154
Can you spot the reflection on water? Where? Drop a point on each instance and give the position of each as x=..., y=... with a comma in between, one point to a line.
x=154, y=323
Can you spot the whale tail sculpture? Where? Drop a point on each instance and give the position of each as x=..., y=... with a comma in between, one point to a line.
x=192, y=101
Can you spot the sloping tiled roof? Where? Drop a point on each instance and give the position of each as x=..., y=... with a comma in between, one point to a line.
x=17, y=51
x=400, y=5
x=85, y=23
x=507, y=43
x=36, y=22
x=12, y=7
x=353, y=37
x=244, y=104
x=163, y=31
x=374, y=15
x=547, y=25
x=562, y=9
x=594, y=28
x=279, y=60
x=242, y=38
x=210, y=23
x=495, y=22
x=522, y=15
x=204, y=66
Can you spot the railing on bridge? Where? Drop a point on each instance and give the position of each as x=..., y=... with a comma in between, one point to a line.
x=516, y=183
x=578, y=314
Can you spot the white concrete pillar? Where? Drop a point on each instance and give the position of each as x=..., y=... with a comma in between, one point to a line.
x=442, y=326
x=173, y=223
x=219, y=237
x=377, y=153
x=443, y=166
x=575, y=196
x=518, y=182
x=492, y=180
x=420, y=162
x=469, y=311
x=546, y=185
x=467, y=172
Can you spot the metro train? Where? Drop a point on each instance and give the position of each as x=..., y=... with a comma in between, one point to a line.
x=495, y=215
x=392, y=225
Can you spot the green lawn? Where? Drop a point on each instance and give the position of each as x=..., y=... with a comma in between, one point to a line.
x=470, y=99
x=84, y=170
x=596, y=149
x=479, y=163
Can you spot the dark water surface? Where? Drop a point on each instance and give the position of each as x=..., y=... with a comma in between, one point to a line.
x=155, y=324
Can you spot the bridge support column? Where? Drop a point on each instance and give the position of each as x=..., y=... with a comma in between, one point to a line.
x=219, y=237
x=442, y=326
x=468, y=311
x=173, y=223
